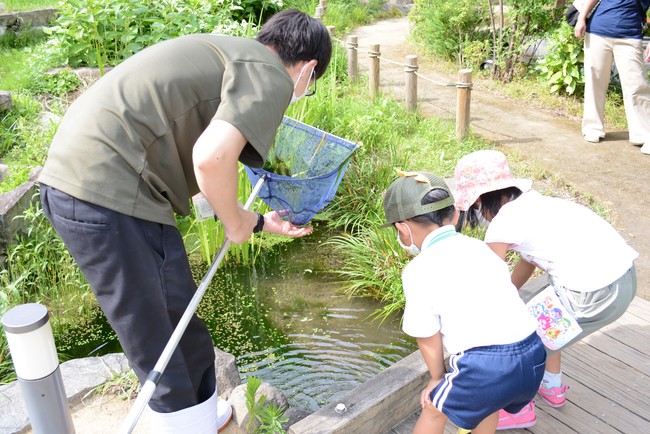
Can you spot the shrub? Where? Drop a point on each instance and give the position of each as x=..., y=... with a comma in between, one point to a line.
x=562, y=66
x=444, y=25
x=94, y=33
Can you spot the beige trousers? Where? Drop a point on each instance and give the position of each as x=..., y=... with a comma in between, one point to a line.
x=628, y=55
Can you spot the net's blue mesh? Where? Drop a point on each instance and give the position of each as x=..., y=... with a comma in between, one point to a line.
x=314, y=161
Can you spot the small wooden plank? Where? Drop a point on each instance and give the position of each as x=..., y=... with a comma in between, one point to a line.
x=634, y=323
x=628, y=337
x=614, y=377
x=632, y=357
x=374, y=406
x=590, y=393
x=640, y=308
x=576, y=417
x=603, y=413
x=549, y=421
x=405, y=426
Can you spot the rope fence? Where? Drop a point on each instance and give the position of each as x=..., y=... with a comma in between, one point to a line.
x=463, y=84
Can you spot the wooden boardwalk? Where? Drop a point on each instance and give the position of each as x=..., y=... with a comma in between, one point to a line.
x=609, y=377
x=608, y=374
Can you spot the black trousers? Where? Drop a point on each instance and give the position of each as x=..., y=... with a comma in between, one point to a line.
x=141, y=277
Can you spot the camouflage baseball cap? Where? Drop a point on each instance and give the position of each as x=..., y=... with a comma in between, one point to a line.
x=403, y=199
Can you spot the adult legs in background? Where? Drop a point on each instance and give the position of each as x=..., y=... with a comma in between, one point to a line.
x=628, y=55
x=598, y=69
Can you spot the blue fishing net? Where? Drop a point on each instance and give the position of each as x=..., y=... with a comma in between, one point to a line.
x=304, y=170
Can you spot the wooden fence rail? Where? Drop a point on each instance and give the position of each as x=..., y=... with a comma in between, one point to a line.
x=410, y=65
x=463, y=85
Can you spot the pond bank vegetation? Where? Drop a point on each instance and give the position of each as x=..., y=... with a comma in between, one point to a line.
x=38, y=267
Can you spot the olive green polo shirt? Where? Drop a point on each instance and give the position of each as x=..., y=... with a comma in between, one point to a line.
x=126, y=143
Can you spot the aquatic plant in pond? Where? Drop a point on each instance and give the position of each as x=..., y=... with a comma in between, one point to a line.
x=287, y=322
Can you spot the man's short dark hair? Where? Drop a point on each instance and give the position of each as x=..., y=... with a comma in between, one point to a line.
x=296, y=37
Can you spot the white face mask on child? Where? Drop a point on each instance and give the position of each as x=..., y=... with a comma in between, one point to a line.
x=412, y=250
x=294, y=97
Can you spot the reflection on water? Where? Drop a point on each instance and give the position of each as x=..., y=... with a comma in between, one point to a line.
x=301, y=334
x=286, y=322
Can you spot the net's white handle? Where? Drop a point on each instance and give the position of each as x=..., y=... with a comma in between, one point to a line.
x=154, y=376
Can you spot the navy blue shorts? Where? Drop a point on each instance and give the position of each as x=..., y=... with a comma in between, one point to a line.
x=483, y=380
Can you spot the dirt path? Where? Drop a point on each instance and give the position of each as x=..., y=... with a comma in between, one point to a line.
x=614, y=172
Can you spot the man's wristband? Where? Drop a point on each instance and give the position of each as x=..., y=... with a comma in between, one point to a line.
x=260, y=223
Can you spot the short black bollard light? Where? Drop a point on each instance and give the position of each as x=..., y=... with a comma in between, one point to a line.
x=31, y=343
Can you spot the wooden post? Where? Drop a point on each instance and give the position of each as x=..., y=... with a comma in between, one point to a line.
x=331, y=30
x=353, y=64
x=373, y=70
x=464, y=87
x=323, y=4
x=320, y=13
x=410, y=67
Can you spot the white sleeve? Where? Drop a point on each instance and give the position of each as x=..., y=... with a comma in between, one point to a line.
x=508, y=226
x=420, y=319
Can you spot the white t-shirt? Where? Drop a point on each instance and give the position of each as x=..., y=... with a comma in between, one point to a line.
x=459, y=287
x=575, y=246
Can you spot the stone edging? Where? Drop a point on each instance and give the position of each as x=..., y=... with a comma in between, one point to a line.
x=17, y=21
x=80, y=376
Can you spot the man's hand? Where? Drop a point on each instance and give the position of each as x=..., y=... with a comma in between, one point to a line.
x=274, y=224
x=581, y=26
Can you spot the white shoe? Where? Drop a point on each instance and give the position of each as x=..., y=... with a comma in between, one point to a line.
x=198, y=419
x=593, y=138
x=646, y=148
x=224, y=414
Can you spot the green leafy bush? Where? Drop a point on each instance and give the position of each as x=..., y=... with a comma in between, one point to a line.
x=56, y=83
x=98, y=33
x=561, y=69
x=471, y=32
x=444, y=25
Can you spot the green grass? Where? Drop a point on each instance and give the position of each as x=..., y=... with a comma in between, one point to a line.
x=28, y=5
x=38, y=266
x=390, y=137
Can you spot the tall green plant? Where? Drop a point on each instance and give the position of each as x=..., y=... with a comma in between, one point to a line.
x=372, y=267
x=561, y=69
x=100, y=33
x=264, y=418
x=207, y=235
x=444, y=25
x=39, y=269
x=516, y=25
x=499, y=30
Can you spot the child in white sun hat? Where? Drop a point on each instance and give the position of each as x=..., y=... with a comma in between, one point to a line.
x=470, y=307
x=589, y=265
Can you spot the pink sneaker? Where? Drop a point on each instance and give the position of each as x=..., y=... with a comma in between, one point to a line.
x=523, y=419
x=555, y=396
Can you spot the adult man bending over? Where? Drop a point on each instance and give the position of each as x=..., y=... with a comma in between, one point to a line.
x=173, y=120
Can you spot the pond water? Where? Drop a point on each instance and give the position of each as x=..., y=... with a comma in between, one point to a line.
x=287, y=322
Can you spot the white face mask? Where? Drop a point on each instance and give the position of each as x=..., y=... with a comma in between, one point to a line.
x=294, y=97
x=412, y=250
x=482, y=221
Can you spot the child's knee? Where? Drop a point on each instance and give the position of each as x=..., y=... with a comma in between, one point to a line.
x=433, y=414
